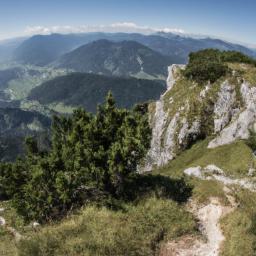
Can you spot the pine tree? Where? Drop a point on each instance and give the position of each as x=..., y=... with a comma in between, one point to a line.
x=89, y=155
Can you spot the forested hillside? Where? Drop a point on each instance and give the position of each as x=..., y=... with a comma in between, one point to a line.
x=15, y=125
x=88, y=90
x=126, y=58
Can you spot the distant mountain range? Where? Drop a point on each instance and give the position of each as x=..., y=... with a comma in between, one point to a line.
x=40, y=50
x=88, y=90
x=44, y=49
x=30, y=78
x=126, y=58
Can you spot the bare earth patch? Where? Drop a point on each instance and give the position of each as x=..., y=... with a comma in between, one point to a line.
x=208, y=216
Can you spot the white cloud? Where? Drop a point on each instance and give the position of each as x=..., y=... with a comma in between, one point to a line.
x=124, y=25
x=128, y=27
x=172, y=30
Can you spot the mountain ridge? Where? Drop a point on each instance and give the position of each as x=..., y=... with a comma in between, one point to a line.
x=194, y=109
x=88, y=90
x=125, y=58
x=50, y=47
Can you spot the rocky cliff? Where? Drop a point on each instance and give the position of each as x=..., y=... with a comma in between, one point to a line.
x=223, y=111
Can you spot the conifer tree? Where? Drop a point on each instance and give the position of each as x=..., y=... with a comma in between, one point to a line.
x=90, y=155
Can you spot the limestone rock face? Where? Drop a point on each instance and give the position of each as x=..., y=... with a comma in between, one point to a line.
x=155, y=154
x=224, y=106
x=166, y=132
x=188, y=132
x=172, y=73
x=161, y=150
x=188, y=111
x=246, y=120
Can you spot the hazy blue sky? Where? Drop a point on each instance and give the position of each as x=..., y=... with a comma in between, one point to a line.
x=232, y=19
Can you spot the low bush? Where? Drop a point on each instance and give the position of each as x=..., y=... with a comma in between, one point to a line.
x=91, y=156
x=209, y=65
x=205, y=65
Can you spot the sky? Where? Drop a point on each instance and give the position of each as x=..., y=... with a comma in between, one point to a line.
x=234, y=20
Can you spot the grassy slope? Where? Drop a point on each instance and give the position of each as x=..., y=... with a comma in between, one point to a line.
x=235, y=159
x=239, y=226
x=136, y=231
x=140, y=228
x=7, y=243
x=247, y=71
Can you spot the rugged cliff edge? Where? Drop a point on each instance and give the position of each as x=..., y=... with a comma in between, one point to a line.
x=204, y=131
x=224, y=111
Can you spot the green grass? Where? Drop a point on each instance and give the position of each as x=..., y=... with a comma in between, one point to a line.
x=205, y=189
x=183, y=90
x=235, y=159
x=248, y=72
x=7, y=243
x=141, y=228
x=99, y=231
x=239, y=227
x=10, y=215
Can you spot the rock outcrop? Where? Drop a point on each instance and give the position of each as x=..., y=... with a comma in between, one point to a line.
x=212, y=172
x=245, y=121
x=162, y=147
x=188, y=111
x=171, y=131
x=172, y=75
x=223, y=108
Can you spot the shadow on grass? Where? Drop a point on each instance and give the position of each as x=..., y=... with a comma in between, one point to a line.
x=138, y=188
x=160, y=186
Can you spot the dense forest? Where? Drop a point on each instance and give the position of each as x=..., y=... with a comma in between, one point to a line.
x=86, y=90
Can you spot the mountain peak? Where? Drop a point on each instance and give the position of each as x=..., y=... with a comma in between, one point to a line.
x=125, y=58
